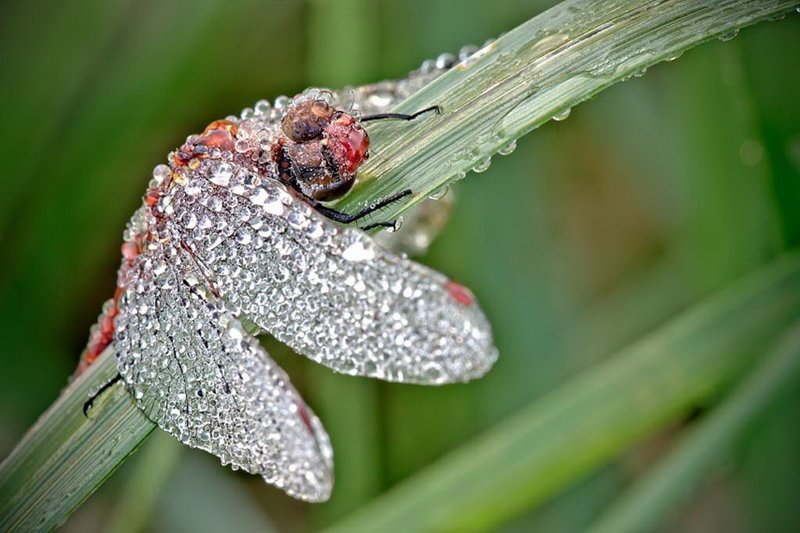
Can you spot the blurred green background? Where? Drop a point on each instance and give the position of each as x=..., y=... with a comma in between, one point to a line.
x=660, y=191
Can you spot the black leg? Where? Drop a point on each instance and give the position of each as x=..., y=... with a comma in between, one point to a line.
x=387, y=224
x=347, y=218
x=401, y=116
x=90, y=401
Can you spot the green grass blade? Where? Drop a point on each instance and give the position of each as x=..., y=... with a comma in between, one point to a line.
x=648, y=503
x=536, y=453
x=65, y=456
x=538, y=70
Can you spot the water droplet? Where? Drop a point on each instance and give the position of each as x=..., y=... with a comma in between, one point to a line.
x=639, y=73
x=439, y=193
x=562, y=115
x=428, y=66
x=222, y=175
x=394, y=228
x=466, y=51
x=729, y=35
x=263, y=107
x=358, y=251
x=507, y=149
x=381, y=99
x=242, y=146
x=445, y=61
x=482, y=165
x=160, y=173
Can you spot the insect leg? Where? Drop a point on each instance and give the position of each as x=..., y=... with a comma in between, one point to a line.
x=401, y=116
x=347, y=218
x=387, y=224
x=88, y=404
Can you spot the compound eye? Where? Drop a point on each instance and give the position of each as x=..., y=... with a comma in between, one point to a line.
x=306, y=121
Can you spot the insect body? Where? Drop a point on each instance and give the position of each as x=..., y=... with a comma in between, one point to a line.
x=323, y=150
x=233, y=228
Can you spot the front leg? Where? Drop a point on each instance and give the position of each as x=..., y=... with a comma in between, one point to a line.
x=347, y=218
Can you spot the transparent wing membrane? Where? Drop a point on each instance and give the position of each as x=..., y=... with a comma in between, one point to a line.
x=197, y=374
x=328, y=292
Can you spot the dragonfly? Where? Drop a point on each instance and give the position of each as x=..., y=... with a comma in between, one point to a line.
x=236, y=231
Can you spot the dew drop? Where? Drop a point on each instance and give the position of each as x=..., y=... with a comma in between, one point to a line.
x=394, y=228
x=445, y=61
x=428, y=66
x=242, y=146
x=729, y=35
x=160, y=173
x=482, y=165
x=381, y=99
x=562, y=115
x=439, y=193
x=674, y=56
x=466, y=51
x=507, y=149
x=358, y=251
x=263, y=107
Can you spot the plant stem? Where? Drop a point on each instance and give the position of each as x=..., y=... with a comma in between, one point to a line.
x=646, y=505
x=65, y=456
x=539, y=70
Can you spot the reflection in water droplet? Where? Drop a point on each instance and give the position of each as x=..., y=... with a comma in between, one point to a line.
x=396, y=226
x=466, y=51
x=507, y=149
x=445, y=61
x=563, y=114
x=381, y=98
x=482, y=165
x=439, y=193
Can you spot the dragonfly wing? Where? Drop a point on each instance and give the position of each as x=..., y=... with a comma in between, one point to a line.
x=328, y=292
x=197, y=374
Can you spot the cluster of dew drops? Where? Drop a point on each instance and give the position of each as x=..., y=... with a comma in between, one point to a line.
x=483, y=164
